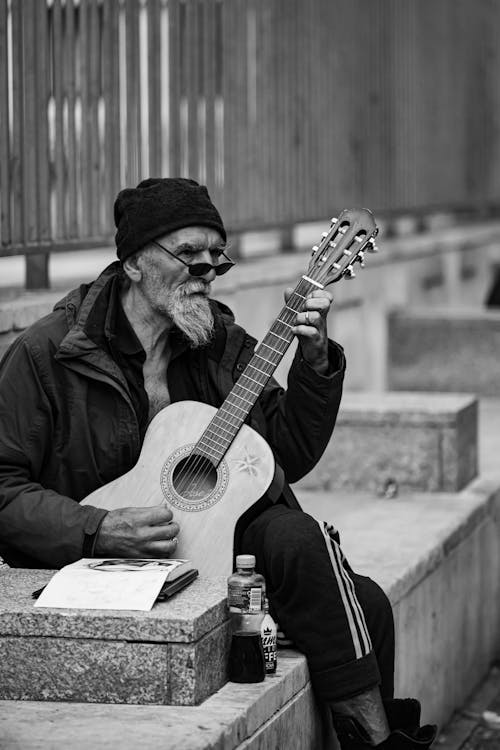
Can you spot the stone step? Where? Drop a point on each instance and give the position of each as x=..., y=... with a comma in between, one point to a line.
x=436, y=554
x=385, y=441
x=444, y=350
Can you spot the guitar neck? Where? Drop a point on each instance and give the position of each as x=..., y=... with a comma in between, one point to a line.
x=226, y=424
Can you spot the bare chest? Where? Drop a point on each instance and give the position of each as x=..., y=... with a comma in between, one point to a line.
x=155, y=383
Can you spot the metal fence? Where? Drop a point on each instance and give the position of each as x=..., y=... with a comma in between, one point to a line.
x=287, y=109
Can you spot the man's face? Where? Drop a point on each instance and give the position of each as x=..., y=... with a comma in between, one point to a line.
x=169, y=288
x=191, y=245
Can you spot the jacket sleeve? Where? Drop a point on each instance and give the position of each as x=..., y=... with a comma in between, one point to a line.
x=300, y=420
x=36, y=522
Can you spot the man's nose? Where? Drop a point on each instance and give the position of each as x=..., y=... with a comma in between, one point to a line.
x=205, y=257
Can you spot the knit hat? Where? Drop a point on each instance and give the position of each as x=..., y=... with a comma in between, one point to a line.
x=158, y=206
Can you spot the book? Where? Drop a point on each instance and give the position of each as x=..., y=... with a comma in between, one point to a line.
x=115, y=583
x=171, y=567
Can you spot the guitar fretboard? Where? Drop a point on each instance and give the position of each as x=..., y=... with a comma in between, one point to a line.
x=226, y=424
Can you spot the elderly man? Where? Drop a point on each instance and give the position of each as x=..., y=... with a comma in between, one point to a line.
x=79, y=388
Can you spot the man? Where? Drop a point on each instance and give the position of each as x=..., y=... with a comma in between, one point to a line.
x=79, y=388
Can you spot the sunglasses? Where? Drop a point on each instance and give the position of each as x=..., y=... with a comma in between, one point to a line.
x=200, y=269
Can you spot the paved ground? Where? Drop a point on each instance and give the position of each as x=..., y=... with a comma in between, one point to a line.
x=477, y=725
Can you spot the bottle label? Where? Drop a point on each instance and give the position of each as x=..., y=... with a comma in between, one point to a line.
x=270, y=650
x=244, y=598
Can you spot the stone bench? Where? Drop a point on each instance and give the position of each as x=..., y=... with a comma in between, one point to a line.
x=444, y=350
x=391, y=441
x=436, y=555
x=174, y=654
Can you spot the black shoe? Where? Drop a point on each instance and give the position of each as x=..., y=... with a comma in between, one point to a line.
x=403, y=717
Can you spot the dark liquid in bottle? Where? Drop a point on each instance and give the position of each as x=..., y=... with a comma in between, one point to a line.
x=246, y=658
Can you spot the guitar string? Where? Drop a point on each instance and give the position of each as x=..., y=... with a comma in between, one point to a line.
x=199, y=469
x=291, y=313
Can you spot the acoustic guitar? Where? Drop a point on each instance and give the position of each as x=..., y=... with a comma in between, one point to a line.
x=205, y=463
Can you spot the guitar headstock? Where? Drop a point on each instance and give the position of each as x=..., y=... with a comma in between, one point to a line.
x=349, y=237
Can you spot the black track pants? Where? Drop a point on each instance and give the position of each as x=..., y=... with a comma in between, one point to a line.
x=341, y=621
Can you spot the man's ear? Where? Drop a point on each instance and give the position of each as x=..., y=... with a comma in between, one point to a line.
x=131, y=266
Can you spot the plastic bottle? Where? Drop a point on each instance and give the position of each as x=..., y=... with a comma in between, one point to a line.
x=245, y=594
x=268, y=633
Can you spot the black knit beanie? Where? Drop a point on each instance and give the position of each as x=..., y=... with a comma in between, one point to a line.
x=158, y=206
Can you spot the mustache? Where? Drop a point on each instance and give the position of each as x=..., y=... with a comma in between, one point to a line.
x=194, y=286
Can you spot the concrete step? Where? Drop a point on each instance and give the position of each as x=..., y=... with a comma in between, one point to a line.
x=437, y=556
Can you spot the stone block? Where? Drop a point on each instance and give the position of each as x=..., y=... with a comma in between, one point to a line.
x=444, y=350
x=437, y=556
x=19, y=313
x=392, y=441
x=173, y=655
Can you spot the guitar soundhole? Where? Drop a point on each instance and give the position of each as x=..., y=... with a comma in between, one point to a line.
x=194, y=477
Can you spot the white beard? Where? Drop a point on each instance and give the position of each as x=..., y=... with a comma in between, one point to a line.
x=191, y=313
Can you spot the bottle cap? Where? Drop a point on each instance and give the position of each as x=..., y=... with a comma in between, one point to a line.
x=245, y=561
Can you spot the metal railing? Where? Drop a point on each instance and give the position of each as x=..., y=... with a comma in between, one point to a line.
x=287, y=109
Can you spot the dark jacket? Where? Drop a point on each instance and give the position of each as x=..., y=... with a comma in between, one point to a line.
x=68, y=424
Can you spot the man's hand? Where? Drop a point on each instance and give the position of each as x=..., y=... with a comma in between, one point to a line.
x=137, y=532
x=310, y=329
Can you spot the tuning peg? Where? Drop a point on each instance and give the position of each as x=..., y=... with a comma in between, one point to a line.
x=361, y=258
x=315, y=249
x=323, y=235
x=333, y=220
x=372, y=248
x=349, y=272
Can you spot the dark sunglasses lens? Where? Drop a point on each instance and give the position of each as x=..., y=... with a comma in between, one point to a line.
x=200, y=269
x=223, y=267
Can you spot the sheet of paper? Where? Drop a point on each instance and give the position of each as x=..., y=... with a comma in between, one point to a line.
x=80, y=586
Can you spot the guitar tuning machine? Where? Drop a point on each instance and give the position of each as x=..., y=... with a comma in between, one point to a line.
x=349, y=272
x=371, y=246
x=361, y=258
x=333, y=220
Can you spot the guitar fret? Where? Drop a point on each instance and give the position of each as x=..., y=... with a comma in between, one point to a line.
x=219, y=416
x=242, y=398
x=272, y=348
x=258, y=370
x=235, y=406
x=219, y=450
x=229, y=432
x=253, y=381
x=277, y=334
x=268, y=361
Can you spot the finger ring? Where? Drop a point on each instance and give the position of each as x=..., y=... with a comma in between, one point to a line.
x=308, y=322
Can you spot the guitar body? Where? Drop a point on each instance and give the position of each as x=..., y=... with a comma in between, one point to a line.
x=206, y=501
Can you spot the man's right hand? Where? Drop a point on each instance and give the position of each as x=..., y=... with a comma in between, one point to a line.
x=137, y=532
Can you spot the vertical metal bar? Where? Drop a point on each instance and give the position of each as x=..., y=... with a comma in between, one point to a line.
x=154, y=88
x=190, y=54
x=59, y=226
x=72, y=57
x=133, y=166
x=175, y=86
x=111, y=94
x=5, y=156
x=94, y=181
x=209, y=83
